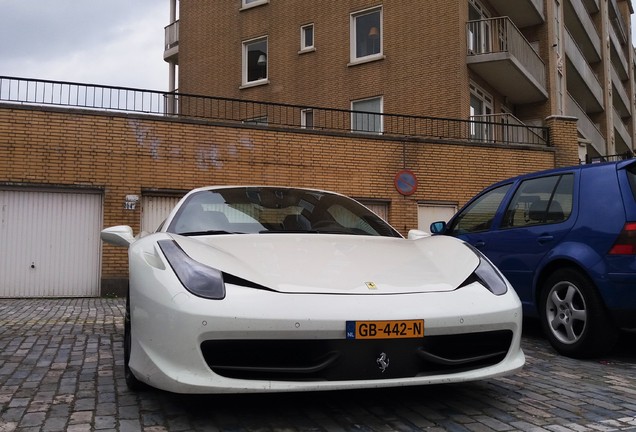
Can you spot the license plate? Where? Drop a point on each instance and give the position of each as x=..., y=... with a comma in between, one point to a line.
x=385, y=329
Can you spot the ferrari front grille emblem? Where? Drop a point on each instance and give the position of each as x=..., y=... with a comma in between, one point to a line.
x=371, y=285
x=383, y=362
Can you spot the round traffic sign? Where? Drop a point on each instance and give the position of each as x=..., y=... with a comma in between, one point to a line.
x=405, y=182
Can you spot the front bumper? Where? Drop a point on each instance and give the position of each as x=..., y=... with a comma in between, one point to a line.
x=185, y=344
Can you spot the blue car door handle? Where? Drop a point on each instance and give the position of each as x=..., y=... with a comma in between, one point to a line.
x=545, y=238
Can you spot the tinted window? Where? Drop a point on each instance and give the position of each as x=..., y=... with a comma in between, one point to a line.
x=541, y=200
x=479, y=215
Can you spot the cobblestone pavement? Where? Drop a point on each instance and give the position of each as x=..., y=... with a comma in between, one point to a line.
x=61, y=370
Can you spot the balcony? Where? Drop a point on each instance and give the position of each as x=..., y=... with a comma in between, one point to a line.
x=616, y=19
x=579, y=24
x=505, y=129
x=502, y=56
x=617, y=56
x=582, y=82
x=171, y=50
x=623, y=139
x=523, y=13
x=585, y=126
x=592, y=6
x=620, y=98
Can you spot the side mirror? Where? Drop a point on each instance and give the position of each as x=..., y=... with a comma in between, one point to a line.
x=120, y=235
x=438, y=227
x=417, y=234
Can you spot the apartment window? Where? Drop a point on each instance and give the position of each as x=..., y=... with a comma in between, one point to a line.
x=366, y=35
x=262, y=120
x=479, y=39
x=255, y=61
x=307, y=119
x=251, y=3
x=367, y=115
x=307, y=37
x=480, y=114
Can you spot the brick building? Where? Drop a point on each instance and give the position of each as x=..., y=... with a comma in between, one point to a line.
x=66, y=173
x=505, y=62
x=357, y=104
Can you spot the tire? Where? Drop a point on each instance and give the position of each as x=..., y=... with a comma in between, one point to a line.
x=132, y=382
x=573, y=316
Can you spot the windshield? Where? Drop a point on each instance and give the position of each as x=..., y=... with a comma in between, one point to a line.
x=264, y=210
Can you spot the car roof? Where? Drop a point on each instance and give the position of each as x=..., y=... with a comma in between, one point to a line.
x=553, y=171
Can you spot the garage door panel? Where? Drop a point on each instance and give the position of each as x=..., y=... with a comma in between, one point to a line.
x=49, y=244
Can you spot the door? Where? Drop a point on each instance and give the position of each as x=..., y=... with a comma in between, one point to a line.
x=516, y=227
x=429, y=213
x=49, y=243
x=154, y=210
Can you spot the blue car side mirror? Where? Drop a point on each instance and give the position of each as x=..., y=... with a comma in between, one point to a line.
x=438, y=227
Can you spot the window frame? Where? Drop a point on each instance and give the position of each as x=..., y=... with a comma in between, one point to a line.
x=304, y=47
x=353, y=40
x=379, y=114
x=486, y=206
x=248, y=4
x=245, y=62
x=305, y=114
x=558, y=196
x=481, y=127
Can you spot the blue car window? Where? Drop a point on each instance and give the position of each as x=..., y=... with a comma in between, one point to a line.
x=540, y=201
x=480, y=214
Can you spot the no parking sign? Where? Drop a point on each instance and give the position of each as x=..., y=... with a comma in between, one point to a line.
x=405, y=182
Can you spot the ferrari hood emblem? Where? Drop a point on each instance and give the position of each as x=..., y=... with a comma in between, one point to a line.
x=383, y=362
x=371, y=285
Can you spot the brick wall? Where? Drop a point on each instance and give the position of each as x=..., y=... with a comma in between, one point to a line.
x=127, y=154
x=424, y=71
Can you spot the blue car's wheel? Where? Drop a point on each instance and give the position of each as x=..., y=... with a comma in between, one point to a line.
x=573, y=316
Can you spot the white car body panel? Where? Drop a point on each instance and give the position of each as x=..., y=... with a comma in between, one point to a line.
x=335, y=263
x=305, y=287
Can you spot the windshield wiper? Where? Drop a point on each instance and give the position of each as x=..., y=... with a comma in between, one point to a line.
x=207, y=232
x=302, y=231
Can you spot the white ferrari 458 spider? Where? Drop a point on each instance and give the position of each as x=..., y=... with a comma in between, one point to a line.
x=258, y=289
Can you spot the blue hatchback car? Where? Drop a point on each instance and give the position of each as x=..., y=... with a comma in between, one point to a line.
x=566, y=240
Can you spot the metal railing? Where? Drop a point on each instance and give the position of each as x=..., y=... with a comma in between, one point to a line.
x=609, y=158
x=497, y=35
x=265, y=114
x=506, y=128
x=171, y=35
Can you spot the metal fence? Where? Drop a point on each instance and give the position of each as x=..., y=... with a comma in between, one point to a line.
x=90, y=96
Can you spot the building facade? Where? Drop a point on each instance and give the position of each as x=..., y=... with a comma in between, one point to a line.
x=495, y=62
x=66, y=173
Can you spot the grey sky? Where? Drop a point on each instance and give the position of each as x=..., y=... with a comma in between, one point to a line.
x=109, y=42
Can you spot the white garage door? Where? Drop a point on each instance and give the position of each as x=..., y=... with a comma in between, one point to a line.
x=49, y=243
x=154, y=209
x=429, y=213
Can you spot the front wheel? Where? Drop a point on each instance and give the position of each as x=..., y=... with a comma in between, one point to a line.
x=573, y=316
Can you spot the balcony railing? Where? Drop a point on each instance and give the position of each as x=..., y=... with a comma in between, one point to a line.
x=501, y=36
x=172, y=35
x=505, y=128
x=265, y=114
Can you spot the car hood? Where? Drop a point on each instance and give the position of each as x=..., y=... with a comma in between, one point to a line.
x=323, y=263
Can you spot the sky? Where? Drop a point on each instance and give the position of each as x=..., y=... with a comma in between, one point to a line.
x=107, y=42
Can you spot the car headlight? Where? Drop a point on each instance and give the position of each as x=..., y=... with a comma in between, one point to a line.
x=487, y=274
x=199, y=279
